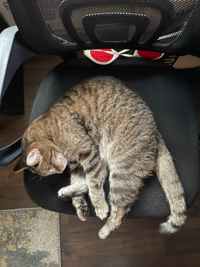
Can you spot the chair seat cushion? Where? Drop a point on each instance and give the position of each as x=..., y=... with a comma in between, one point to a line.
x=169, y=98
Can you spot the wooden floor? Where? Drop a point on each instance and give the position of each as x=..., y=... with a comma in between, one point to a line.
x=136, y=244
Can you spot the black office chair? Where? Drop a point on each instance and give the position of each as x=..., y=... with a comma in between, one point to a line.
x=63, y=27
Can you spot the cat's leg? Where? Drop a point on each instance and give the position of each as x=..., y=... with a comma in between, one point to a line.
x=78, y=185
x=76, y=191
x=83, y=149
x=96, y=172
x=124, y=189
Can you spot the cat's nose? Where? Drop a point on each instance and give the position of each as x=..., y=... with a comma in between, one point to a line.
x=64, y=164
x=62, y=168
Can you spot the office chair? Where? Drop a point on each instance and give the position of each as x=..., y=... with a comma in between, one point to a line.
x=63, y=27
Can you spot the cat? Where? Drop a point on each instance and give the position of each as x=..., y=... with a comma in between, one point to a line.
x=99, y=127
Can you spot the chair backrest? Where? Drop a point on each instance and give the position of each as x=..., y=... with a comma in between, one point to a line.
x=60, y=26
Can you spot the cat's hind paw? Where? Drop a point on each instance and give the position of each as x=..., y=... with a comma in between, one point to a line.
x=105, y=232
x=166, y=228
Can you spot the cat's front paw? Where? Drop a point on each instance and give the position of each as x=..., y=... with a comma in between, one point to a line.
x=102, y=210
x=66, y=193
x=81, y=206
x=63, y=194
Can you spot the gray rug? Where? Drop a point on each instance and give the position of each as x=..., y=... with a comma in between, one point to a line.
x=29, y=238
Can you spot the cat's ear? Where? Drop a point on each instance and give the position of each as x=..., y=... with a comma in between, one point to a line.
x=33, y=157
x=20, y=166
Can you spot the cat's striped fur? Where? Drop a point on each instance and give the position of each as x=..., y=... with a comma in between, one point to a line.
x=102, y=127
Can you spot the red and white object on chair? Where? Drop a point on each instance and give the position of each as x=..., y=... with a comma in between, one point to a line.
x=107, y=56
x=148, y=54
x=102, y=56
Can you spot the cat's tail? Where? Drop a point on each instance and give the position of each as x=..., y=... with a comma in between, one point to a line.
x=172, y=187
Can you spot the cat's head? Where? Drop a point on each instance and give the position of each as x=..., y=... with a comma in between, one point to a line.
x=41, y=157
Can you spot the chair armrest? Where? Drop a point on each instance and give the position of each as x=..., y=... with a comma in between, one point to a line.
x=13, y=52
x=9, y=153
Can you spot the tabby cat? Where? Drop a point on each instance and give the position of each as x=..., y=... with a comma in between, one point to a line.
x=100, y=127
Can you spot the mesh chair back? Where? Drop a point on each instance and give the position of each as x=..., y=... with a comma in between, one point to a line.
x=59, y=26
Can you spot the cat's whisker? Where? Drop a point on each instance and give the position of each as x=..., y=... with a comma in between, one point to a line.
x=39, y=180
x=33, y=178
